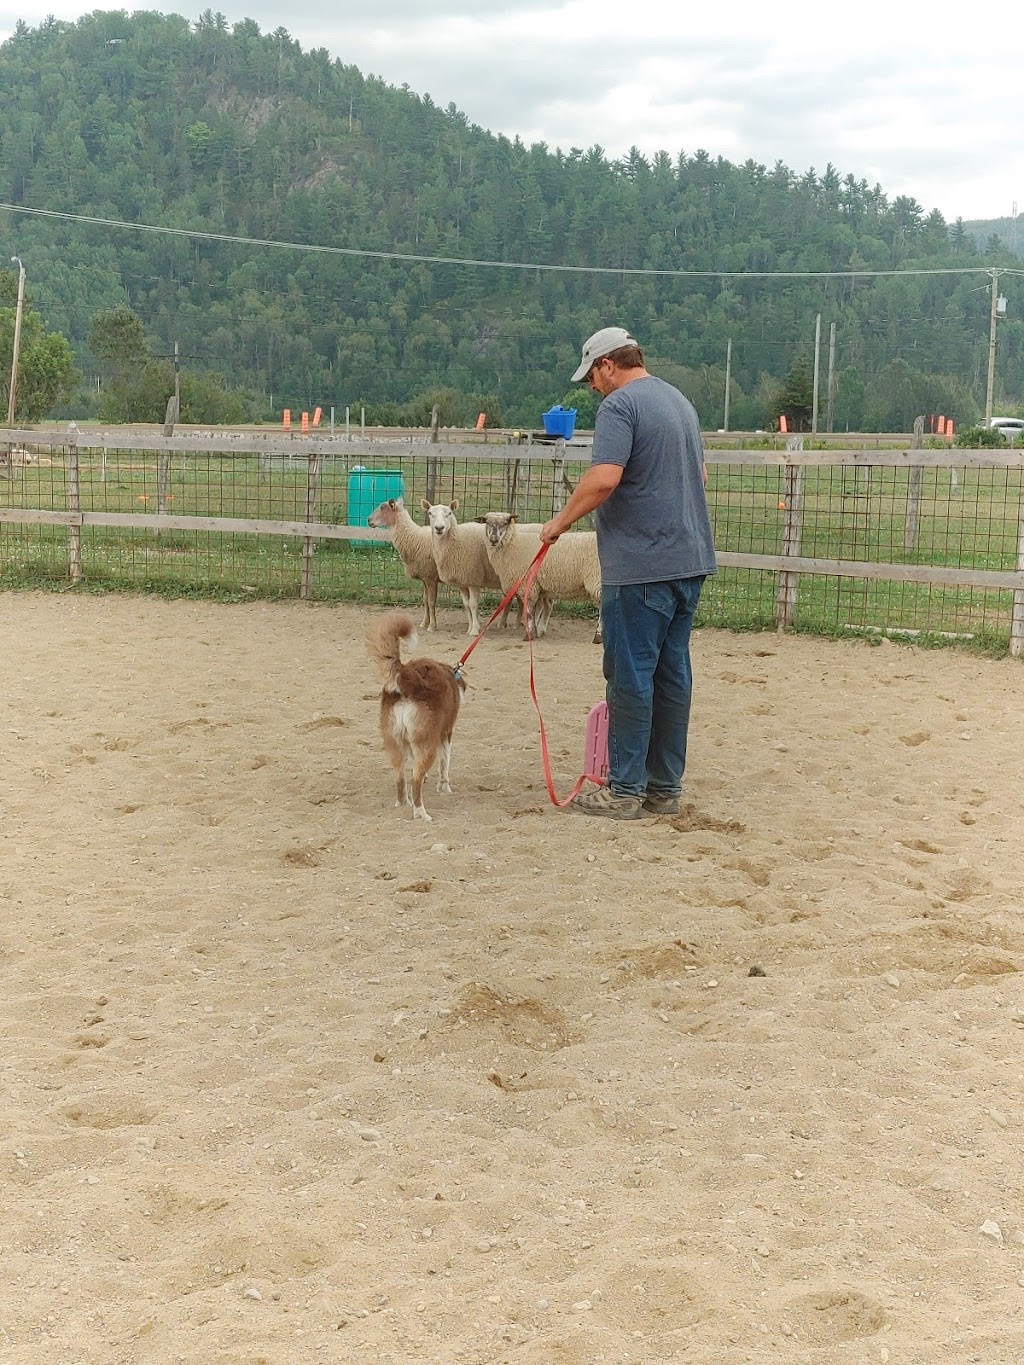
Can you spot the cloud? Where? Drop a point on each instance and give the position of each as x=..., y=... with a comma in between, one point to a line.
x=875, y=92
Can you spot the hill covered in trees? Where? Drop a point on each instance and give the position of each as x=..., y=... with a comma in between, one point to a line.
x=998, y=234
x=156, y=121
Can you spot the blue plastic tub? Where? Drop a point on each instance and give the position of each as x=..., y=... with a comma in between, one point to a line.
x=367, y=489
x=559, y=421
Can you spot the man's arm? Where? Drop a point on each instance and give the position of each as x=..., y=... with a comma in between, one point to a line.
x=597, y=484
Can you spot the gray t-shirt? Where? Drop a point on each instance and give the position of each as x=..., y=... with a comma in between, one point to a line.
x=655, y=526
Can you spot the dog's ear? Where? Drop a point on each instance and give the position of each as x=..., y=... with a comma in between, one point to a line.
x=454, y=504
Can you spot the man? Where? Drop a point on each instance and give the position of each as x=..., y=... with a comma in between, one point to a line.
x=654, y=541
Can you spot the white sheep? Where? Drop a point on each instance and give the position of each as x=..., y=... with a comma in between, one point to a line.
x=571, y=568
x=511, y=556
x=413, y=546
x=460, y=553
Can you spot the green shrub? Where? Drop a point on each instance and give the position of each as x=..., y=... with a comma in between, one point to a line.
x=979, y=438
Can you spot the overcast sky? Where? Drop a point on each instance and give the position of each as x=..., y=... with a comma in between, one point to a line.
x=891, y=92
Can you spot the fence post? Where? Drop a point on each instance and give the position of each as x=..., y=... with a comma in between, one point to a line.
x=511, y=484
x=910, y=531
x=1017, y=619
x=435, y=421
x=786, y=591
x=74, y=505
x=558, y=480
x=163, y=481
x=309, y=543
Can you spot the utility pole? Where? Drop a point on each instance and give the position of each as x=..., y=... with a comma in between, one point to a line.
x=817, y=360
x=728, y=377
x=13, y=391
x=994, y=311
x=831, y=387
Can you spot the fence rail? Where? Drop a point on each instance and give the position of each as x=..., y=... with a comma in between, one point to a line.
x=904, y=540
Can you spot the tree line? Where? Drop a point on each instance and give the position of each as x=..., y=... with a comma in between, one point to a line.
x=154, y=120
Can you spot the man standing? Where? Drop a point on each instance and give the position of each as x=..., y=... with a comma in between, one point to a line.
x=654, y=541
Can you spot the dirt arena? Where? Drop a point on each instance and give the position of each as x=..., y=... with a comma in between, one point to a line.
x=288, y=1077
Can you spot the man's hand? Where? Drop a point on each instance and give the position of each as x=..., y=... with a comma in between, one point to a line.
x=550, y=532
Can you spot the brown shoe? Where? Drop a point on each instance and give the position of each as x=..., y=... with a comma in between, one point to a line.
x=611, y=804
x=655, y=804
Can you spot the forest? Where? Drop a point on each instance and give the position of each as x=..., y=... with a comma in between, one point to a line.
x=144, y=143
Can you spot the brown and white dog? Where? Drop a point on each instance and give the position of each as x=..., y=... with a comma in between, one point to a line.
x=418, y=709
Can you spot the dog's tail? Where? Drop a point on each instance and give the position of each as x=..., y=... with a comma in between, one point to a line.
x=383, y=642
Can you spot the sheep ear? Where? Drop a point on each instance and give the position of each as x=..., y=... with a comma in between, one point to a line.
x=513, y=517
x=425, y=505
x=393, y=503
x=482, y=520
x=454, y=504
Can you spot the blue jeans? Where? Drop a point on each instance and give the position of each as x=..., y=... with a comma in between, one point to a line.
x=649, y=683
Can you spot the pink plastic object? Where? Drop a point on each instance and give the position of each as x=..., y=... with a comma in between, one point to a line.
x=595, y=745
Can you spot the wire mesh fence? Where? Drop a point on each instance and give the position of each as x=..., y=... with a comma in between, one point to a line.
x=901, y=540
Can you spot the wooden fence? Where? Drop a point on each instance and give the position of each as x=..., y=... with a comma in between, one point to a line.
x=949, y=521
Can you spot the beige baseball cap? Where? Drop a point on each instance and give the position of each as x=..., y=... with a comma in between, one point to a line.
x=602, y=343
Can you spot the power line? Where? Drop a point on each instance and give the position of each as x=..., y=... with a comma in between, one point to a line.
x=197, y=235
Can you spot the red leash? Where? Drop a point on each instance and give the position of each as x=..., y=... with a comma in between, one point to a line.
x=523, y=585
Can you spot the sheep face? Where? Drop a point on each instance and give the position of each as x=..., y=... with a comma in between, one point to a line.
x=441, y=518
x=497, y=525
x=386, y=515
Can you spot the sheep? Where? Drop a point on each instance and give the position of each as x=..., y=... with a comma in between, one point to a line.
x=571, y=568
x=510, y=560
x=413, y=544
x=460, y=553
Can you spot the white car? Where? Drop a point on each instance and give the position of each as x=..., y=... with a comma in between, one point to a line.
x=1011, y=427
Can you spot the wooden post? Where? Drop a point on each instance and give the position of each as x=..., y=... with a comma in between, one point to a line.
x=786, y=591
x=558, y=480
x=511, y=484
x=163, y=482
x=308, y=543
x=435, y=422
x=74, y=505
x=1017, y=620
x=910, y=531
x=527, y=490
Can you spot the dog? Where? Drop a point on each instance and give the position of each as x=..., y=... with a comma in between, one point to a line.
x=418, y=709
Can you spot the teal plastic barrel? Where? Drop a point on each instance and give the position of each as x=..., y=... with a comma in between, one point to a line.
x=367, y=489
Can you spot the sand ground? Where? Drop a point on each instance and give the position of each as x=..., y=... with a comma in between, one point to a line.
x=288, y=1077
